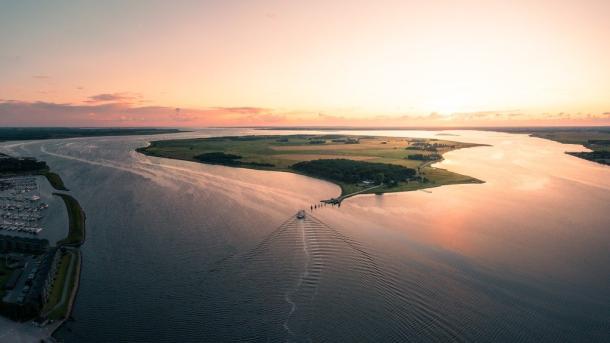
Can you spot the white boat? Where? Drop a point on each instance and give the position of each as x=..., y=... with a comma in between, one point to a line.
x=301, y=214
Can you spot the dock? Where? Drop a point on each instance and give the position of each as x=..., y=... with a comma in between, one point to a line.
x=338, y=200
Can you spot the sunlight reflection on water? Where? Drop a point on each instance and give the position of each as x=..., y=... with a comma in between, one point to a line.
x=522, y=257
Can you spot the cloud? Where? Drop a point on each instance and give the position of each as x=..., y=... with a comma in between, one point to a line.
x=41, y=77
x=128, y=109
x=114, y=97
x=488, y=114
x=180, y=115
x=244, y=110
x=102, y=112
x=328, y=117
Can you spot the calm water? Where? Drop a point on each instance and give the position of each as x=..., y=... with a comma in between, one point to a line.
x=185, y=252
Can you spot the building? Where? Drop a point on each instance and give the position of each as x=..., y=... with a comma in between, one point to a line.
x=24, y=245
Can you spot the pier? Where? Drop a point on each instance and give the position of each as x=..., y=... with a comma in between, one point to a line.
x=338, y=200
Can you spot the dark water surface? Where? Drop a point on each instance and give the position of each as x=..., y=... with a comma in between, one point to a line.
x=185, y=252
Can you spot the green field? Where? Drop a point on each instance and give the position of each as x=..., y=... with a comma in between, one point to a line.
x=280, y=153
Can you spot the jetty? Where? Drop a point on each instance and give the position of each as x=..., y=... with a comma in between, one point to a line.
x=338, y=200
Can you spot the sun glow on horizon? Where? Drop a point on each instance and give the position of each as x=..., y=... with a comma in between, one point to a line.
x=269, y=62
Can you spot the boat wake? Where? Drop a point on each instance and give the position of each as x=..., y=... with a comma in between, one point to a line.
x=306, y=279
x=304, y=275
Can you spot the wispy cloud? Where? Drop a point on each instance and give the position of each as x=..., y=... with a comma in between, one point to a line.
x=119, y=109
x=114, y=97
x=129, y=109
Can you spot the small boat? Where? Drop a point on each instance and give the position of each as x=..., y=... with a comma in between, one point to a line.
x=301, y=214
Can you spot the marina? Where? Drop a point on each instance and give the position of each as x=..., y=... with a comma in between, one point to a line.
x=21, y=206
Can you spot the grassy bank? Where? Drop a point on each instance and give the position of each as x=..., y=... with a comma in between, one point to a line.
x=281, y=153
x=76, y=215
x=55, y=181
x=58, y=287
x=65, y=279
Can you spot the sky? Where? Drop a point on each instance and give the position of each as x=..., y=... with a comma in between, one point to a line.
x=304, y=63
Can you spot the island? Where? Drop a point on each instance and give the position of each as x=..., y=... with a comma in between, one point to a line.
x=38, y=279
x=358, y=164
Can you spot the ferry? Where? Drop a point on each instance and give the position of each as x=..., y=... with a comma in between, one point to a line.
x=301, y=214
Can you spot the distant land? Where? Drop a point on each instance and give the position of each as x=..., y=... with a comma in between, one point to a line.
x=596, y=138
x=35, y=133
x=358, y=164
x=593, y=138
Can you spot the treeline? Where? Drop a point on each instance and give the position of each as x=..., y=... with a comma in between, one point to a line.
x=604, y=142
x=227, y=160
x=422, y=157
x=218, y=158
x=351, y=171
x=19, y=313
x=10, y=165
x=599, y=156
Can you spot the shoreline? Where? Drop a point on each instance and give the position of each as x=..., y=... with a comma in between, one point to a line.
x=58, y=324
x=74, y=240
x=396, y=189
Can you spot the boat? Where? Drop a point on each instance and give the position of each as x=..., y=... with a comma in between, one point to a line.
x=301, y=214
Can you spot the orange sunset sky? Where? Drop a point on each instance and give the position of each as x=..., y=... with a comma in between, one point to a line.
x=323, y=63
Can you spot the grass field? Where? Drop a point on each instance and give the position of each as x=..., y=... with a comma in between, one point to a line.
x=280, y=153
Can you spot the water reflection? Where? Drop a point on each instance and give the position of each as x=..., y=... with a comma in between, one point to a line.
x=522, y=257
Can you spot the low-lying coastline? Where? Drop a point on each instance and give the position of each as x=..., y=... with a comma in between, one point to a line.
x=61, y=311
x=596, y=139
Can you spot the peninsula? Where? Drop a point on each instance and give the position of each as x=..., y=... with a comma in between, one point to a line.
x=38, y=279
x=358, y=164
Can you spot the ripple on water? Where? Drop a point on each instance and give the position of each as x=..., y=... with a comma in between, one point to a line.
x=305, y=280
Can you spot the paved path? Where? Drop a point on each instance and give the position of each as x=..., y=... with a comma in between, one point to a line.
x=341, y=198
x=64, y=292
